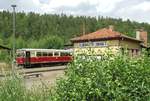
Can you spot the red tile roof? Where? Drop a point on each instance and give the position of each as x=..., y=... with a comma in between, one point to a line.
x=103, y=34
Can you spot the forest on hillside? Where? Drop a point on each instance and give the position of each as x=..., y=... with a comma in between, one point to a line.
x=54, y=31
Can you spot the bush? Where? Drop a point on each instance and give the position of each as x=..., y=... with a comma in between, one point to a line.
x=118, y=78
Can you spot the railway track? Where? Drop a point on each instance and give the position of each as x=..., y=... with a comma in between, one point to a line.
x=35, y=71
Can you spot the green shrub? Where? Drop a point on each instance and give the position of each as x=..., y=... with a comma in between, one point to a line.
x=118, y=78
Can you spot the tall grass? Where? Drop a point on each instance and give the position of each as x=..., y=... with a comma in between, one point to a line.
x=13, y=88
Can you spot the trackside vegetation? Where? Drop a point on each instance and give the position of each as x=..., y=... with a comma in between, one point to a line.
x=13, y=89
x=120, y=78
x=117, y=78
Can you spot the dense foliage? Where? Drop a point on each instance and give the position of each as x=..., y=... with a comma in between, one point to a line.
x=114, y=79
x=53, y=31
x=120, y=78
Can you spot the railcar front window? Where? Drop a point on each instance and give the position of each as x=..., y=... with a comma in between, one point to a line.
x=20, y=55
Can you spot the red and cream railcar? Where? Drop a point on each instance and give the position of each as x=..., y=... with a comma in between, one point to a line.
x=29, y=57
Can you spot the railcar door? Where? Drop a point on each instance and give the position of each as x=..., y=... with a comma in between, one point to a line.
x=27, y=59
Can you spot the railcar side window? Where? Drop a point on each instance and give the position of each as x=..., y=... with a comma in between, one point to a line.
x=38, y=54
x=50, y=54
x=56, y=54
x=32, y=54
x=65, y=54
x=62, y=54
x=44, y=54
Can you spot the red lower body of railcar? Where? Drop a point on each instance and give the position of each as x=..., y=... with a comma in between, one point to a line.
x=42, y=60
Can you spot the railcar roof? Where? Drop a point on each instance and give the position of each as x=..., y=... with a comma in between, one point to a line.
x=45, y=50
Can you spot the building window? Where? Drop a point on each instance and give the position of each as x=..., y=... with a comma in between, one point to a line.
x=122, y=51
x=101, y=44
x=84, y=44
x=134, y=52
x=93, y=44
x=137, y=52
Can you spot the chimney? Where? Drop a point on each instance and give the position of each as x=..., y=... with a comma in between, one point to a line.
x=138, y=34
x=111, y=27
x=142, y=35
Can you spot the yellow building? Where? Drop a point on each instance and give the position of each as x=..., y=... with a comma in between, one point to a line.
x=107, y=39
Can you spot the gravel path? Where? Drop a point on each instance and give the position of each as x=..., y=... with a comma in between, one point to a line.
x=46, y=78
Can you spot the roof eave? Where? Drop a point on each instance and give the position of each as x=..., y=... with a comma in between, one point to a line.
x=96, y=39
x=131, y=39
x=106, y=38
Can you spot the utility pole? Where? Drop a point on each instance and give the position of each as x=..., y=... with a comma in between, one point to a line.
x=14, y=40
x=84, y=29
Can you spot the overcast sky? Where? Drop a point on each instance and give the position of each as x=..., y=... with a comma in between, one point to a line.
x=138, y=10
